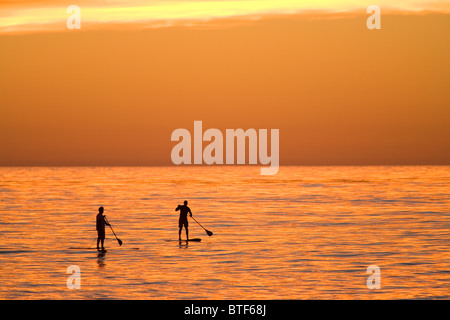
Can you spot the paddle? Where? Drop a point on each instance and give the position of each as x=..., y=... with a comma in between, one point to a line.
x=209, y=233
x=118, y=240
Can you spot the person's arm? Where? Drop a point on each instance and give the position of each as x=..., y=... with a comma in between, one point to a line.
x=190, y=212
x=178, y=208
x=106, y=222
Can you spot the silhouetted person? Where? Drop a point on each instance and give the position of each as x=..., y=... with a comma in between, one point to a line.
x=183, y=221
x=101, y=228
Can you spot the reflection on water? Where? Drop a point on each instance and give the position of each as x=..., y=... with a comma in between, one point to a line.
x=305, y=233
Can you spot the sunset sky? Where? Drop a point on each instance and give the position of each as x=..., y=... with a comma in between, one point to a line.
x=112, y=92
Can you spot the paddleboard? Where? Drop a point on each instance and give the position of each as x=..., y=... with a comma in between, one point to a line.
x=81, y=248
x=13, y=251
x=190, y=240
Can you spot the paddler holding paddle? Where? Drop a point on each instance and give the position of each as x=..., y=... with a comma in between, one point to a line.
x=183, y=221
x=101, y=222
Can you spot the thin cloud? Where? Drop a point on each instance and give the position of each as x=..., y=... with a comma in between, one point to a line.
x=35, y=16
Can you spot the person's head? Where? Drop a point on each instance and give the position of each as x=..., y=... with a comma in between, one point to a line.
x=100, y=209
x=185, y=202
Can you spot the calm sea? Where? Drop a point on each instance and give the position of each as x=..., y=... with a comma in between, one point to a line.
x=305, y=233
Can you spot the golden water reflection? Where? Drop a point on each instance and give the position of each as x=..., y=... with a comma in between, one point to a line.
x=305, y=233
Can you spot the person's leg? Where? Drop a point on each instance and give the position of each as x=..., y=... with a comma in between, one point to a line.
x=101, y=238
x=187, y=232
x=179, y=232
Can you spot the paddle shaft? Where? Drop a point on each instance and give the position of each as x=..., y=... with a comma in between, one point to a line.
x=209, y=233
x=198, y=223
x=118, y=240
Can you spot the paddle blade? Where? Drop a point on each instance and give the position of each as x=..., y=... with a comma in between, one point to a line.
x=209, y=233
x=119, y=241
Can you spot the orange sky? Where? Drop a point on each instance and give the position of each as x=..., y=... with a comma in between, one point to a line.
x=338, y=92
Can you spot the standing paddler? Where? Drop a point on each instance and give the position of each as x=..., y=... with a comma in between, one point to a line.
x=101, y=222
x=183, y=221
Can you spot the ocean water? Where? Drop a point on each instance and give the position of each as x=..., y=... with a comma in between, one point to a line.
x=305, y=233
